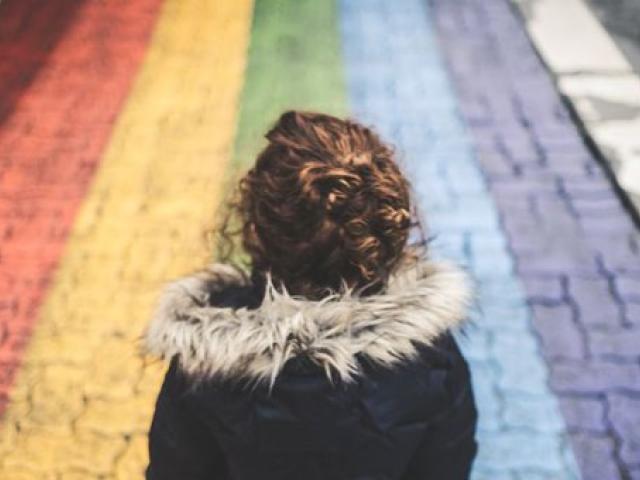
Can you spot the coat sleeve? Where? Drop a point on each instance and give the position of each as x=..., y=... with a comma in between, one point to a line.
x=180, y=445
x=449, y=445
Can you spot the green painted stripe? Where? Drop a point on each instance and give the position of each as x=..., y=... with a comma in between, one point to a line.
x=295, y=62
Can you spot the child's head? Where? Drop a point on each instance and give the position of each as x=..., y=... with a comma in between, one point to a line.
x=324, y=203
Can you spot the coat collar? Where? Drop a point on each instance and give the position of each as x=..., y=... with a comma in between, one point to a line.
x=420, y=302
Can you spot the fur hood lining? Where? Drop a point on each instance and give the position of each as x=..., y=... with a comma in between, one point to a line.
x=420, y=302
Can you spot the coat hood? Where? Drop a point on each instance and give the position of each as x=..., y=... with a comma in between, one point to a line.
x=421, y=301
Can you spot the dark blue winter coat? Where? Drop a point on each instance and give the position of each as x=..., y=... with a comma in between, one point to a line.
x=266, y=386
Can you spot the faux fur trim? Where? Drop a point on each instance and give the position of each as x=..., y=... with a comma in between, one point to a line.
x=420, y=302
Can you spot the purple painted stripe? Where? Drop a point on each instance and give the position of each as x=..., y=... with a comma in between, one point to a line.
x=576, y=247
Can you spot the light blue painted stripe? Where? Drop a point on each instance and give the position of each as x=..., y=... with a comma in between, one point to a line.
x=398, y=84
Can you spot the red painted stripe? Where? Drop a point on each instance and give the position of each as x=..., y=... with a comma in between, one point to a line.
x=65, y=69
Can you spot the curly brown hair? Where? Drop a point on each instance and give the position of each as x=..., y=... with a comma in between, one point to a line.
x=325, y=206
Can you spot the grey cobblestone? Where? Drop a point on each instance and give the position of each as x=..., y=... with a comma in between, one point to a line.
x=632, y=314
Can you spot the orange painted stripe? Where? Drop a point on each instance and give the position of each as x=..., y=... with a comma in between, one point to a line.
x=65, y=70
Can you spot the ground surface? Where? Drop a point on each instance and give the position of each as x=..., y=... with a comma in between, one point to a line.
x=123, y=123
x=596, y=70
x=621, y=18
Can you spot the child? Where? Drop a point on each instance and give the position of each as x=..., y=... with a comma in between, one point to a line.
x=333, y=358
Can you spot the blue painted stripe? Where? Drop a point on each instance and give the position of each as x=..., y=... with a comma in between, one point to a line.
x=398, y=84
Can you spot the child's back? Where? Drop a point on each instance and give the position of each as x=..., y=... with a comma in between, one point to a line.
x=291, y=382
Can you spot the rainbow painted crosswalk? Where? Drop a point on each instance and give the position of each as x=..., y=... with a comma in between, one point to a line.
x=122, y=124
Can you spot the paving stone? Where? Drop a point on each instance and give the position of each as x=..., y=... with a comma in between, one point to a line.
x=91, y=453
x=516, y=187
x=561, y=337
x=543, y=290
x=628, y=288
x=594, y=377
x=550, y=259
x=484, y=380
x=496, y=164
x=612, y=225
x=129, y=464
x=485, y=266
x=624, y=414
x=536, y=475
x=598, y=209
x=533, y=412
x=498, y=318
x=566, y=164
x=624, y=342
x=596, y=461
x=519, y=373
x=587, y=188
x=594, y=301
x=101, y=416
x=527, y=244
x=507, y=344
x=450, y=245
x=583, y=414
x=478, y=474
x=477, y=215
x=504, y=450
x=622, y=259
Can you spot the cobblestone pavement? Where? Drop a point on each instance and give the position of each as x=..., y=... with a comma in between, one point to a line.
x=575, y=247
x=399, y=85
x=51, y=137
x=504, y=182
x=82, y=400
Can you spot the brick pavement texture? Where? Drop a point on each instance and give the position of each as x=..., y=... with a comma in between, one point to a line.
x=524, y=206
x=574, y=245
x=82, y=400
x=397, y=82
x=54, y=127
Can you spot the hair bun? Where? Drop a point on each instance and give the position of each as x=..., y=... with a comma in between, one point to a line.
x=357, y=158
x=342, y=186
x=402, y=218
x=336, y=199
x=325, y=205
x=396, y=218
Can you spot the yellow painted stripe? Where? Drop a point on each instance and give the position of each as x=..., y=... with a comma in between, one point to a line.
x=83, y=400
